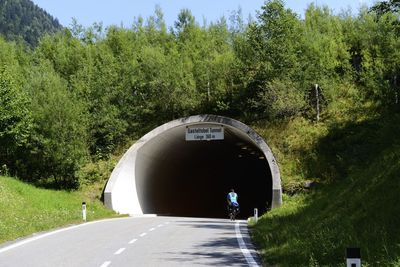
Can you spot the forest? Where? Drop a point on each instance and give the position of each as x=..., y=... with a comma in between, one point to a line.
x=24, y=22
x=81, y=93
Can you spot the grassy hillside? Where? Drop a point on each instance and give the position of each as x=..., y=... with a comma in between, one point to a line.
x=26, y=209
x=357, y=165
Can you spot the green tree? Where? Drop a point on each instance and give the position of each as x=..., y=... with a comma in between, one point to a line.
x=325, y=54
x=278, y=33
x=15, y=121
x=271, y=52
x=215, y=68
x=59, y=140
x=185, y=22
x=98, y=84
x=383, y=7
x=374, y=46
x=66, y=53
x=325, y=58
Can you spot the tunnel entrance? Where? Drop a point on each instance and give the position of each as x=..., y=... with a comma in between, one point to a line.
x=165, y=174
x=192, y=178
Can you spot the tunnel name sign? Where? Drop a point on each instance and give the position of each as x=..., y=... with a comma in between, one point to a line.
x=196, y=133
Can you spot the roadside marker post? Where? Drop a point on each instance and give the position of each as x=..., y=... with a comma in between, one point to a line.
x=84, y=211
x=255, y=215
x=353, y=257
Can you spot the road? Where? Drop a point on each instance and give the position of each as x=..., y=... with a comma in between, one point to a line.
x=137, y=241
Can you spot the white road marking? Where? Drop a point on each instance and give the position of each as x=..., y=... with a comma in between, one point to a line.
x=142, y=234
x=106, y=263
x=132, y=241
x=160, y=225
x=246, y=253
x=119, y=251
x=152, y=229
x=29, y=240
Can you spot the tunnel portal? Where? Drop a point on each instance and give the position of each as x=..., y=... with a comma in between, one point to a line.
x=165, y=174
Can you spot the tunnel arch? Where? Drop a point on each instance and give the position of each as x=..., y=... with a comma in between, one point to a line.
x=162, y=173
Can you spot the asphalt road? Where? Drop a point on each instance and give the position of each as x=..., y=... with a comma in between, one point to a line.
x=137, y=241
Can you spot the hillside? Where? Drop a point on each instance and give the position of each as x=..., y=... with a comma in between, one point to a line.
x=354, y=204
x=26, y=209
x=23, y=20
x=69, y=105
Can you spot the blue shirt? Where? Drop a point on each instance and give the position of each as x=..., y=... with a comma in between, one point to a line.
x=232, y=197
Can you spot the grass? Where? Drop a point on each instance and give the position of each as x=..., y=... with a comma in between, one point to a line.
x=357, y=165
x=26, y=209
x=355, y=158
x=292, y=143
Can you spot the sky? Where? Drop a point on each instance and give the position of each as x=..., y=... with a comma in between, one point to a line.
x=124, y=12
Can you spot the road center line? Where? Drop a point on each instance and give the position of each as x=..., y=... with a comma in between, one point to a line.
x=152, y=229
x=142, y=234
x=246, y=253
x=119, y=251
x=160, y=225
x=105, y=264
x=132, y=241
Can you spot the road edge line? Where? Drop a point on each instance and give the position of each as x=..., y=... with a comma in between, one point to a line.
x=40, y=236
x=246, y=253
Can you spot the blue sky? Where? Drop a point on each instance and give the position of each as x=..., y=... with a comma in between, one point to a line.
x=115, y=12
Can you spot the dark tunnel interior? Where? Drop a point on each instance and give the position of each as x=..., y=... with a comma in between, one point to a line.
x=192, y=178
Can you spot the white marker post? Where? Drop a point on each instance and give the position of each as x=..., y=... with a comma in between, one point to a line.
x=255, y=215
x=84, y=211
x=353, y=257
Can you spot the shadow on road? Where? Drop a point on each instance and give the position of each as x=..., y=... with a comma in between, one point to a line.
x=220, y=249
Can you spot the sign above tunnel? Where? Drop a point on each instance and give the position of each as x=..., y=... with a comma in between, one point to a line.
x=204, y=133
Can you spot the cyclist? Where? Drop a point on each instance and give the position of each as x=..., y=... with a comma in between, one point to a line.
x=233, y=203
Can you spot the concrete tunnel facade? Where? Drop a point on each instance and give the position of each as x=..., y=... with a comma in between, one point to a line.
x=164, y=174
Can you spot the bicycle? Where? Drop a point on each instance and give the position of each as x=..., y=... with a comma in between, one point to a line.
x=233, y=211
